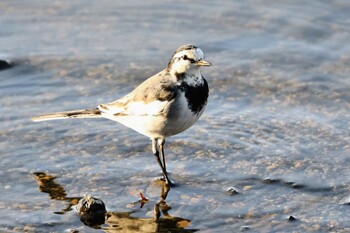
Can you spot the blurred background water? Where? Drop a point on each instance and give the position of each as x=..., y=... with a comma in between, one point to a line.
x=276, y=128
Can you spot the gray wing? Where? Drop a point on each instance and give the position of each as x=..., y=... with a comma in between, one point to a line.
x=152, y=97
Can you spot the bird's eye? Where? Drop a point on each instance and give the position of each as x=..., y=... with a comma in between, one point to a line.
x=185, y=57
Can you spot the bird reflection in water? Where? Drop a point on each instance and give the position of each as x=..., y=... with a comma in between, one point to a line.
x=93, y=213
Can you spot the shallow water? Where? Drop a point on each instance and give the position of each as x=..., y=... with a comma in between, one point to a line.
x=276, y=128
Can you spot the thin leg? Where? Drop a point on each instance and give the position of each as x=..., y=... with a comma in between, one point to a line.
x=165, y=174
x=156, y=155
x=161, y=147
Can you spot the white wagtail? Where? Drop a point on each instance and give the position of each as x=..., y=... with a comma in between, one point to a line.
x=163, y=105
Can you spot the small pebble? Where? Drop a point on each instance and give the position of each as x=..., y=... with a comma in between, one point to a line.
x=271, y=180
x=245, y=228
x=233, y=190
x=75, y=230
x=247, y=187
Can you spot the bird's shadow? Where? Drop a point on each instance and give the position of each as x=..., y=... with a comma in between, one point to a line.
x=112, y=221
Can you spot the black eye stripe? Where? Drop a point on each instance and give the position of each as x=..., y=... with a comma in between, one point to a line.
x=187, y=58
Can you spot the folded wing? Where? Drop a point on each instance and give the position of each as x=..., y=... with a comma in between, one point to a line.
x=152, y=98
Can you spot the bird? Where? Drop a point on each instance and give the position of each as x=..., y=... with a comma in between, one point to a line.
x=164, y=105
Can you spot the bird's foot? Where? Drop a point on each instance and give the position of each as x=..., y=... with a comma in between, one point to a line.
x=167, y=180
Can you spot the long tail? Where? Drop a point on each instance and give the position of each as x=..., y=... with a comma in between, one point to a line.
x=87, y=113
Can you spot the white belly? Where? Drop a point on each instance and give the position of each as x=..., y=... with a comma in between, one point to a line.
x=176, y=118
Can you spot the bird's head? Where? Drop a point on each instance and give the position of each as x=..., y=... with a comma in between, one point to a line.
x=187, y=59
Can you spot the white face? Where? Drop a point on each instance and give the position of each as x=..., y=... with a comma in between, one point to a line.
x=185, y=61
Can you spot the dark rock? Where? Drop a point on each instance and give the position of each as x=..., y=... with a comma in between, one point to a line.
x=291, y=218
x=91, y=210
x=5, y=64
x=233, y=191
